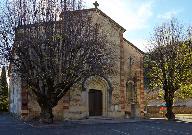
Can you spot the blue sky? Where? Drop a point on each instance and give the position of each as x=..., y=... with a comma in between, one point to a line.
x=139, y=17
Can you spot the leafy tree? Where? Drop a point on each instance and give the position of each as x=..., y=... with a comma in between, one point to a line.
x=52, y=53
x=185, y=92
x=3, y=91
x=169, y=62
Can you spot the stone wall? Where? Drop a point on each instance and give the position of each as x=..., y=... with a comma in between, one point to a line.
x=58, y=111
x=176, y=109
x=133, y=66
x=14, y=94
x=114, y=35
x=153, y=111
x=75, y=104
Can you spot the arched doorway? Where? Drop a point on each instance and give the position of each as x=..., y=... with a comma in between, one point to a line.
x=97, y=92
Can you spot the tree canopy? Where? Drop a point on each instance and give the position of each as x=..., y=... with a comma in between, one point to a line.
x=3, y=91
x=169, y=62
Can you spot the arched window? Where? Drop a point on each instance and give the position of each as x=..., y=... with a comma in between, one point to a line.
x=130, y=91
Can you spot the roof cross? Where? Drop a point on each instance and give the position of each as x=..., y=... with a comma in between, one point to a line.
x=96, y=4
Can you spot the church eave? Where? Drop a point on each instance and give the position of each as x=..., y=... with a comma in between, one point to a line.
x=133, y=46
x=111, y=20
x=103, y=14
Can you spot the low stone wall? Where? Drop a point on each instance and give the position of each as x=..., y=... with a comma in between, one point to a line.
x=154, y=111
x=182, y=110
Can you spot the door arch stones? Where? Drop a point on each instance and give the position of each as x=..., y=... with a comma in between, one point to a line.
x=98, y=83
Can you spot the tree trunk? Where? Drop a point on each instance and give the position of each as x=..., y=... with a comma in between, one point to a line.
x=170, y=115
x=46, y=115
x=169, y=104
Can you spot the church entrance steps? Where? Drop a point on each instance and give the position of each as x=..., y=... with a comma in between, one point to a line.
x=100, y=120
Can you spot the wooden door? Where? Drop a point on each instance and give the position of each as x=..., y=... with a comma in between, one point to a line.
x=95, y=103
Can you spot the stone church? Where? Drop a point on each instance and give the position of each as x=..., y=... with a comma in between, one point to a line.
x=118, y=96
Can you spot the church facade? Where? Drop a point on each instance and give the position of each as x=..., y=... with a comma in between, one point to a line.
x=118, y=96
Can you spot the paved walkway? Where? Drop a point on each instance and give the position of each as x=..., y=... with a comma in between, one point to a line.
x=95, y=126
x=90, y=121
x=184, y=117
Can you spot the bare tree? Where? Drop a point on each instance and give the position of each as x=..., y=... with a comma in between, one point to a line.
x=23, y=12
x=51, y=56
x=169, y=61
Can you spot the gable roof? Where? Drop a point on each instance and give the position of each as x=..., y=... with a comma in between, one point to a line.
x=134, y=46
x=111, y=20
x=101, y=13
